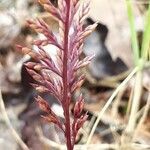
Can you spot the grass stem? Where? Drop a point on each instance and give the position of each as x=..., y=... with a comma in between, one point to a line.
x=100, y=114
x=8, y=123
x=135, y=103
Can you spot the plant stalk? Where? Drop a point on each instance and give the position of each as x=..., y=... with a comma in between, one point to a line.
x=135, y=44
x=66, y=98
x=135, y=103
x=8, y=123
x=101, y=112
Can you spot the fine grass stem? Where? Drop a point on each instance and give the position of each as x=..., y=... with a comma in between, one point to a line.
x=100, y=114
x=8, y=123
x=134, y=40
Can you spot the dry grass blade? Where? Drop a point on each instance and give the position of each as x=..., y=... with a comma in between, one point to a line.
x=100, y=114
x=8, y=123
x=52, y=144
x=145, y=113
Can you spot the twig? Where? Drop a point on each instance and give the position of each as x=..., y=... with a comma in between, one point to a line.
x=100, y=114
x=47, y=141
x=8, y=123
x=111, y=81
x=55, y=145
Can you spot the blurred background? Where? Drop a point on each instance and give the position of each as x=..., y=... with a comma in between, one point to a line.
x=111, y=44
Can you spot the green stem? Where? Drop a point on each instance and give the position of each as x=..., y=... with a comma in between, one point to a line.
x=135, y=44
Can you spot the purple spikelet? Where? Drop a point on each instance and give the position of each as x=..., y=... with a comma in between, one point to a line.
x=71, y=15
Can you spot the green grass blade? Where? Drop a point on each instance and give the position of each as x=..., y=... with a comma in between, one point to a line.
x=145, y=51
x=135, y=44
x=149, y=55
